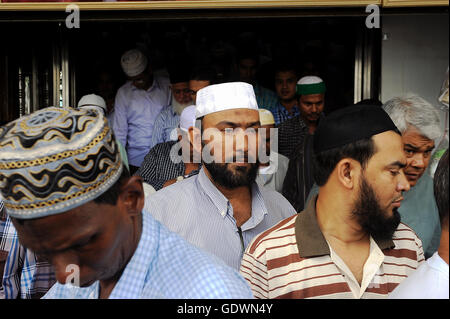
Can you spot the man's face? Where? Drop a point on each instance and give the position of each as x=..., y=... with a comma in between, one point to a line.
x=381, y=185
x=247, y=70
x=181, y=92
x=195, y=86
x=141, y=81
x=93, y=237
x=233, y=146
x=311, y=106
x=285, y=85
x=418, y=150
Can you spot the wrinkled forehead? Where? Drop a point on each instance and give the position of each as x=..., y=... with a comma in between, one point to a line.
x=238, y=117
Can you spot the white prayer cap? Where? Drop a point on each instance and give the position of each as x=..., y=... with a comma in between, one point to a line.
x=187, y=118
x=92, y=100
x=266, y=117
x=225, y=96
x=133, y=62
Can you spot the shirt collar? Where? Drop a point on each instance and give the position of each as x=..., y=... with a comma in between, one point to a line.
x=155, y=85
x=310, y=240
x=259, y=209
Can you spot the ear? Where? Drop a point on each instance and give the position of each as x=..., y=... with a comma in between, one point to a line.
x=132, y=195
x=348, y=171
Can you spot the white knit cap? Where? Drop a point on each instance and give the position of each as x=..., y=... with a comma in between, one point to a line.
x=92, y=100
x=133, y=62
x=187, y=118
x=225, y=96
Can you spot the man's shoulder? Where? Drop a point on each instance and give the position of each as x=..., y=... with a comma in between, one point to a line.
x=198, y=273
x=280, y=232
x=274, y=198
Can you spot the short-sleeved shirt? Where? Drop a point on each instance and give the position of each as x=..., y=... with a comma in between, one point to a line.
x=294, y=260
x=165, y=266
x=200, y=213
x=158, y=167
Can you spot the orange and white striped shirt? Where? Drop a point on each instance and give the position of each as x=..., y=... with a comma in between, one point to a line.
x=293, y=260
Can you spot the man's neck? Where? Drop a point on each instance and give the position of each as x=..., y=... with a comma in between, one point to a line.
x=443, y=246
x=289, y=104
x=107, y=285
x=240, y=199
x=335, y=221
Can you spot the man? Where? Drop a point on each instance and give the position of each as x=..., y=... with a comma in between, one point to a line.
x=430, y=280
x=285, y=87
x=98, y=103
x=418, y=121
x=138, y=103
x=201, y=77
x=272, y=172
x=296, y=141
x=164, y=163
x=247, y=65
x=169, y=117
x=222, y=208
x=348, y=242
x=311, y=100
x=74, y=204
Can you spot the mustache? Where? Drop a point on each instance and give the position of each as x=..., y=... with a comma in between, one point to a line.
x=241, y=157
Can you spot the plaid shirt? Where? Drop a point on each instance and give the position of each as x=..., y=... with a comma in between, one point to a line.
x=165, y=266
x=24, y=276
x=157, y=167
x=281, y=114
x=290, y=134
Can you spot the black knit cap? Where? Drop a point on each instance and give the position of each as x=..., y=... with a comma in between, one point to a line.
x=351, y=124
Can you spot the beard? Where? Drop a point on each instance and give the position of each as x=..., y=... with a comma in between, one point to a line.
x=373, y=219
x=224, y=176
x=179, y=107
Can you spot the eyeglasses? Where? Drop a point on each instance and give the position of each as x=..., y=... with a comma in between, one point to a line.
x=192, y=92
x=180, y=91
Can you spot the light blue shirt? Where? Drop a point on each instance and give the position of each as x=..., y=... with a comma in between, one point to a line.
x=165, y=123
x=419, y=211
x=200, y=213
x=165, y=266
x=135, y=112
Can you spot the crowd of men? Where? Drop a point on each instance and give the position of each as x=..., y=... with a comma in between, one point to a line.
x=190, y=188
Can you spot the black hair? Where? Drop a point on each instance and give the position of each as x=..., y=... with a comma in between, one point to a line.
x=111, y=196
x=285, y=67
x=325, y=161
x=203, y=73
x=441, y=188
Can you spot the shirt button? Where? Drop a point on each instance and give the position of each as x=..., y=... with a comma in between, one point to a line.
x=223, y=213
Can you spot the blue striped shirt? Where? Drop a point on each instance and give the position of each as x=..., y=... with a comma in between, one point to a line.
x=165, y=266
x=200, y=213
x=165, y=123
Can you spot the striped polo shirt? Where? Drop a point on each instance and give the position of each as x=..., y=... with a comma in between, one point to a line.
x=293, y=260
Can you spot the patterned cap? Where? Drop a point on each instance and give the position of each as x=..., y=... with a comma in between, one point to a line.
x=56, y=159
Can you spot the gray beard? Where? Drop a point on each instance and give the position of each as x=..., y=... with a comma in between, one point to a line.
x=178, y=107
